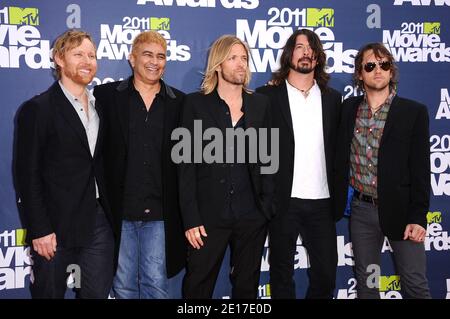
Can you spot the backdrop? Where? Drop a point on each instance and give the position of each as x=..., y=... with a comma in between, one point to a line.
x=416, y=31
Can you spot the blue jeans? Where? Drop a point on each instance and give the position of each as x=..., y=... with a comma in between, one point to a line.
x=141, y=271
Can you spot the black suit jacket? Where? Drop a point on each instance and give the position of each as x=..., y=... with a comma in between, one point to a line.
x=403, y=165
x=281, y=115
x=203, y=186
x=115, y=98
x=55, y=170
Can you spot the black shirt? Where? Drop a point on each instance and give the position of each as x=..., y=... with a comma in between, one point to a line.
x=143, y=184
x=241, y=197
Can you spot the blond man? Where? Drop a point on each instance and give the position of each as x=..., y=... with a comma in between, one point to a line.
x=225, y=204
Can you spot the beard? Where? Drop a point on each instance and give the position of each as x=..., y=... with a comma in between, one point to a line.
x=376, y=88
x=303, y=67
x=78, y=78
x=233, y=78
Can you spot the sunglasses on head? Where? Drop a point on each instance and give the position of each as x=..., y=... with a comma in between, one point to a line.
x=384, y=65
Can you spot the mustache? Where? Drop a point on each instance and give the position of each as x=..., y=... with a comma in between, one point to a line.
x=85, y=66
x=305, y=59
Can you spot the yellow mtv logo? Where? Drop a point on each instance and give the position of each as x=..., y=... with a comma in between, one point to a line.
x=159, y=23
x=432, y=27
x=19, y=16
x=434, y=217
x=319, y=17
x=389, y=283
x=20, y=237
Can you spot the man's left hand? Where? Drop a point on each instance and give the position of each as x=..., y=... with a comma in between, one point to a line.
x=414, y=232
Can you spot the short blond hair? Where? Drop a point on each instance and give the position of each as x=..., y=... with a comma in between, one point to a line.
x=68, y=40
x=148, y=37
x=217, y=55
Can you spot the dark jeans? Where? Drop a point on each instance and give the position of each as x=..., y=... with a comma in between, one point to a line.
x=95, y=263
x=367, y=241
x=312, y=219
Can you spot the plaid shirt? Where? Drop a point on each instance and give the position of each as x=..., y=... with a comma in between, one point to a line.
x=365, y=144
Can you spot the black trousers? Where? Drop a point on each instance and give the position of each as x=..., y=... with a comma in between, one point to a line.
x=312, y=219
x=246, y=239
x=92, y=265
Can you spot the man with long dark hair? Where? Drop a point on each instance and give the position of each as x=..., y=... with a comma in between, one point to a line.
x=306, y=111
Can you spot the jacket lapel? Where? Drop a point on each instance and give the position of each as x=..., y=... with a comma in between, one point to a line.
x=101, y=128
x=70, y=115
x=283, y=102
x=352, y=119
x=122, y=107
x=326, y=119
x=391, y=119
x=170, y=119
x=251, y=112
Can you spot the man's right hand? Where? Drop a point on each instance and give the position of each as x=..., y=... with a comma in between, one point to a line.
x=194, y=236
x=45, y=246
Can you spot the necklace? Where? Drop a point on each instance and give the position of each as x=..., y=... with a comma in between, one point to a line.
x=305, y=92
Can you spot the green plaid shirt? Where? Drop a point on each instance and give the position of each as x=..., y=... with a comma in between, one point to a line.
x=365, y=144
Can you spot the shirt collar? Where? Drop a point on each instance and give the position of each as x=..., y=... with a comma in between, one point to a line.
x=72, y=99
x=387, y=102
x=165, y=91
x=215, y=93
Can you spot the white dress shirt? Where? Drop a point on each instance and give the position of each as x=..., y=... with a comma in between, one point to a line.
x=310, y=173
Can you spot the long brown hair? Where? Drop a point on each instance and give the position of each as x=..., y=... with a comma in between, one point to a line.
x=320, y=75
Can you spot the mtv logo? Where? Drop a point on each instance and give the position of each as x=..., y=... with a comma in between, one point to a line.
x=159, y=23
x=434, y=217
x=319, y=17
x=21, y=234
x=21, y=16
x=389, y=283
x=432, y=27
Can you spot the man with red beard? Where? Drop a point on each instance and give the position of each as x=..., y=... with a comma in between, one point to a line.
x=60, y=178
x=306, y=111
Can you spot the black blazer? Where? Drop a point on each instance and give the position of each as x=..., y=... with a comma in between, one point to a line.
x=281, y=115
x=403, y=165
x=55, y=170
x=203, y=187
x=115, y=98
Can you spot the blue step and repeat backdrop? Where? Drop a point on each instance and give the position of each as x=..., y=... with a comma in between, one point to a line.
x=416, y=31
